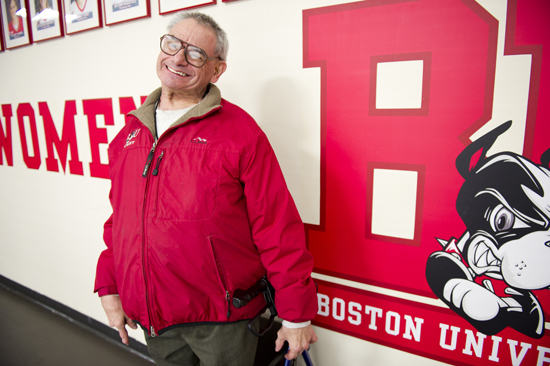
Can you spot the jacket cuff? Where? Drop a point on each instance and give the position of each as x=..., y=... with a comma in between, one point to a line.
x=297, y=303
x=291, y=325
x=108, y=290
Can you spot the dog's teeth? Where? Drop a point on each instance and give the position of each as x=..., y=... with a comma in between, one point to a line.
x=484, y=257
x=493, y=261
x=483, y=260
x=481, y=250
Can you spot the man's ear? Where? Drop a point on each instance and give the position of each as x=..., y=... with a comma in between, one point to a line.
x=218, y=71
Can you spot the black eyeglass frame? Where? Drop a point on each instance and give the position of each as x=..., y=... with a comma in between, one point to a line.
x=184, y=46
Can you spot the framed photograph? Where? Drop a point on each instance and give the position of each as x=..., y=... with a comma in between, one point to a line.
x=15, y=23
x=46, y=19
x=169, y=6
x=81, y=15
x=118, y=11
x=1, y=33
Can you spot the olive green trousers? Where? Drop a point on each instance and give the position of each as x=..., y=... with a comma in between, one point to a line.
x=204, y=345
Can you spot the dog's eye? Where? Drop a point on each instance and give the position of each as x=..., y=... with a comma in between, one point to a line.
x=503, y=219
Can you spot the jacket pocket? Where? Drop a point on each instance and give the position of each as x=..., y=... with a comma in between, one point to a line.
x=187, y=186
x=221, y=274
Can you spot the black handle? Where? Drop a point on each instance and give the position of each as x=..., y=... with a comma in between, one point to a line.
x=243, y=297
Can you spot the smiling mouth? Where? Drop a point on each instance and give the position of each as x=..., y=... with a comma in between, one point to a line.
x=176, y=72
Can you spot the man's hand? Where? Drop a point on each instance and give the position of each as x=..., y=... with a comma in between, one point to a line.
x=298, y=340
x=117, y=318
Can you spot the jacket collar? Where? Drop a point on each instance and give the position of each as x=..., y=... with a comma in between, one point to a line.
x=146, y=112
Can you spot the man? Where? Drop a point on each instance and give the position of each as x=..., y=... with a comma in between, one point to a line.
x=200, y=209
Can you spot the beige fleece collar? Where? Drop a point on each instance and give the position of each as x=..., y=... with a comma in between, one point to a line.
x=146, y=112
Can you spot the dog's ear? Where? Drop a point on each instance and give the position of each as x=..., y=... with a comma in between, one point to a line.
x=474, y=154
x=545, y=159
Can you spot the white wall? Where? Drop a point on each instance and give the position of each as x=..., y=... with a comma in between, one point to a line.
x=51, y=223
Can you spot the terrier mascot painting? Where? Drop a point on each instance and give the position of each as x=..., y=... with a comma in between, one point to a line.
x=489, y=273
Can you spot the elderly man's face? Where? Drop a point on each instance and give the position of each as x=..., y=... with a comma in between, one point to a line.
x=176, y=75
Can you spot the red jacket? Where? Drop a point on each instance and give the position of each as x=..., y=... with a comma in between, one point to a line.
x=204, y=213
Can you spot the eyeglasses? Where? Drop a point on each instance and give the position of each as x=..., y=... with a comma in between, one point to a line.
x=193, y=55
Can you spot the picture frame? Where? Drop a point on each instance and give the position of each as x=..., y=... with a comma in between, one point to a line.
x=15, y=23
x=170, y=6
x=119, y=11
x=1, y=33
x=46, y=19
x=81, y=15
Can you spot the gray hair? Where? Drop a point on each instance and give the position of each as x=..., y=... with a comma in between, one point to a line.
x=222, y=43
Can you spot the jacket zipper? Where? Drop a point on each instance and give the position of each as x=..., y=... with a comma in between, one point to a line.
x=156, y=170
x=149, y=160
x=228, y=299
x=221, y=273
x=143, y=243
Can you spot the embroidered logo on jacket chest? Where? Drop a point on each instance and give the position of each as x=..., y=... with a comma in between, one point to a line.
x=199, y=140
x=130, y=139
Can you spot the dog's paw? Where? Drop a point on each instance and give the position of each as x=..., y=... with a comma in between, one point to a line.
x=477, y=302
x=442, y=267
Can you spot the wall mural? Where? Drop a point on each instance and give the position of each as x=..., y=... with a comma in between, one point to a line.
x=410, y=203
x=505, y=205
x=439, y=247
